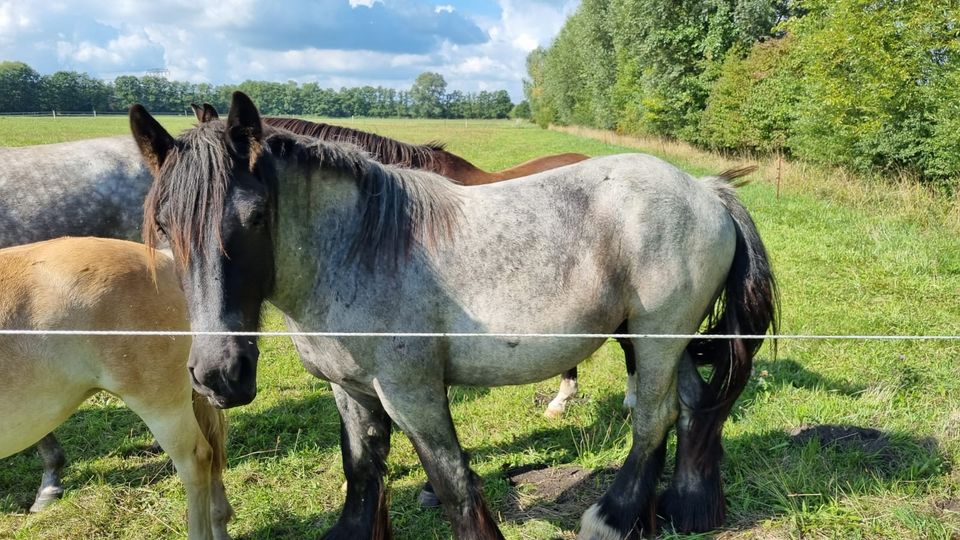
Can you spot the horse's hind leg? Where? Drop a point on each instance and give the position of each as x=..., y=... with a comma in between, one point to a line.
x=568, y=389
x=179, y=435
x=630, y=362
x=694, y=501
x=364, y=444
x=423, y=413
x=51, y=453
x=629, y=504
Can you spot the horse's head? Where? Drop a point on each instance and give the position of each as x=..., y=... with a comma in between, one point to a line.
x=212, y=199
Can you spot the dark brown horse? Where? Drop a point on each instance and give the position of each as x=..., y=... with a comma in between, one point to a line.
x=431, y=156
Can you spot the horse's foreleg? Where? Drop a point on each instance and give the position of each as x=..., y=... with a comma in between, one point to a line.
x=568, y=389
x=364, y=444
x=51, y=453
x=423, y=413
x=629, y=504
x=179, y=435
x=694, y=501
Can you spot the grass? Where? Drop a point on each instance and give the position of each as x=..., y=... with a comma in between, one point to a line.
x=851, y=257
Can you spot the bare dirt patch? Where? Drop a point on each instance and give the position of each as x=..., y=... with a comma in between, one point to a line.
x=557, y=494
x=868, y=440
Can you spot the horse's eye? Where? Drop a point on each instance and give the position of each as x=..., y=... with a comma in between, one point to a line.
x=256, y=219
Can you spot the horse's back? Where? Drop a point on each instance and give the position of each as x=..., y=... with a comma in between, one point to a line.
x=93, y=284
x=90, y=187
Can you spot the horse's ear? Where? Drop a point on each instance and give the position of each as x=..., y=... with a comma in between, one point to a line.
x=154, y=141
x=209, y=112
x=197, y=111
x=244, y=129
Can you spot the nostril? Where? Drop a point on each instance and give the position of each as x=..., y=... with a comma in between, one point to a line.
x=246, y=367
x=241, y=369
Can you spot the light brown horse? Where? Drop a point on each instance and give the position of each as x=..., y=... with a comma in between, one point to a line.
x=105, y=285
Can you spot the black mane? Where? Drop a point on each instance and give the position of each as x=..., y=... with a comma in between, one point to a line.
x=383, y=149
x=397, y=207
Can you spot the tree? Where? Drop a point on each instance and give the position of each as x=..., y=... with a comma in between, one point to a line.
x=127, y=90
x=19, y=87
x=521, y=110
x=427, y=95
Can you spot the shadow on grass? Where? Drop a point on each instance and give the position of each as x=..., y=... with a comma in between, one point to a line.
x=88, y=435
x=289, y=526
x=91, y=434
x=766, y=475
x=283, y=428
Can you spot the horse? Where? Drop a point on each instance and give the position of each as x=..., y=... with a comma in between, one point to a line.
x=433, y=157
x=429, y=157
x=100, y=284
x=341, y=243
x=96, y=187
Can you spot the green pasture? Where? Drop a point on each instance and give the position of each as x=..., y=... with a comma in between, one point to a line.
x=843, y=269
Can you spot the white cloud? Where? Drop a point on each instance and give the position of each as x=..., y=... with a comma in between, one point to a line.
x=197, y=40
x=499, y=63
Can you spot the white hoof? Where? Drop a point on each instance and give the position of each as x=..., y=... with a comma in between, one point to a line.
x=45, y=497
x=553, y=411
x=593, y=527
x=629, y=401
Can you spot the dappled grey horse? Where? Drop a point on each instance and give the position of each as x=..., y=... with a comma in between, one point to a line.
x=96, y=187
x=341, y=243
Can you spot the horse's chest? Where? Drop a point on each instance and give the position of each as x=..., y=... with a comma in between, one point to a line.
x=329, y=360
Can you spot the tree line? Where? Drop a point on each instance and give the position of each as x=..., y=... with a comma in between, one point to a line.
x=869, y=84
x=22, y=89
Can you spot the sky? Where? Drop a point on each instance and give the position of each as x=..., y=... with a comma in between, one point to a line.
x=475, y=44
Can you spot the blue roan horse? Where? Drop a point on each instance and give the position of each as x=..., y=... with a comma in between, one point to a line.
x=96, y=187
x=339, y=242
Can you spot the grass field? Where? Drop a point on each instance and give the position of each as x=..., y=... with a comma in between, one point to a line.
x=851, y=259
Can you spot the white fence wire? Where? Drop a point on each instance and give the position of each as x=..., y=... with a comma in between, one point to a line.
x=500, y=335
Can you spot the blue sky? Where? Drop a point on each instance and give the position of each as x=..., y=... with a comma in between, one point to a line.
x=474, y=44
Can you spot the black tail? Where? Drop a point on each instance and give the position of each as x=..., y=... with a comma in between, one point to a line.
x=748, y=305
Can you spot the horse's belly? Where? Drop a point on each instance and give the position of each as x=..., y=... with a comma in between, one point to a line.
x=487, y=361
x=39, y=389
x=24, y=419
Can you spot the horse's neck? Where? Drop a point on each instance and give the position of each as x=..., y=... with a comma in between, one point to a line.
x=317, y=216
x=461, y=170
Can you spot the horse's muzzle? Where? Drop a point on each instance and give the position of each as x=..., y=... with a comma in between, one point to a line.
x=224, y=370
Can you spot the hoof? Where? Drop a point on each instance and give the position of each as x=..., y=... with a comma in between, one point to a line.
x=629, y=402
x=553, y=412
x=694, y=512
x=594, y=527
x=45, y=497
x=427, y=498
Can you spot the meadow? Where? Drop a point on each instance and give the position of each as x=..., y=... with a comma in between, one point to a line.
x=852, y=257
